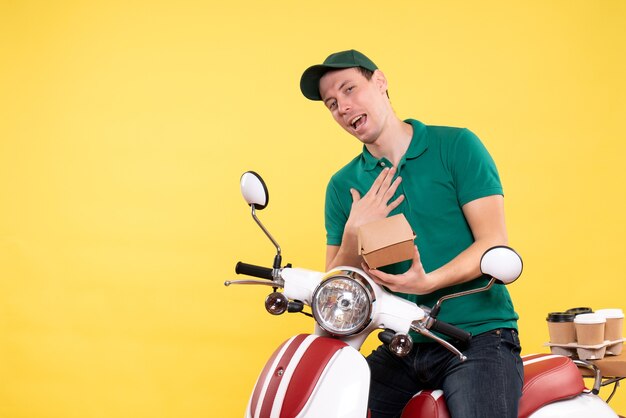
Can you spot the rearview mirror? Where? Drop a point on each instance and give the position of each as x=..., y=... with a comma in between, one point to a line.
x=254, y=190
x=502, y=263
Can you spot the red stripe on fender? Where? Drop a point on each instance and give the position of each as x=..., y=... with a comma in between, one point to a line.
x=259, y=382
x=277, y=375
x=307, y=374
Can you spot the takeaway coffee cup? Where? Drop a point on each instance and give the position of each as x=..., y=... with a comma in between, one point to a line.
x=589, y=328
x=561, y=327
x=613, y=328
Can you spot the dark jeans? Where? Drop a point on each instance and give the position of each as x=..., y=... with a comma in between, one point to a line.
x=487, y=385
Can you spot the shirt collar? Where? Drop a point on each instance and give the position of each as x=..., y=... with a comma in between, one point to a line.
x=419, y=144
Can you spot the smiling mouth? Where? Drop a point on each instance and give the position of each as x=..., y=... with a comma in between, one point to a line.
x=358, y=121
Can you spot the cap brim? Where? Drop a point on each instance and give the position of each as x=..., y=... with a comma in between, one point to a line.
x=310, y=80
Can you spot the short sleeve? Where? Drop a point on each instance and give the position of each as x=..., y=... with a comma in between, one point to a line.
x=334, y=217
x=473, y=170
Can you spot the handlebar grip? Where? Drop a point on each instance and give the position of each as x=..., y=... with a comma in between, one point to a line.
x=252, y=270
x=450, y=330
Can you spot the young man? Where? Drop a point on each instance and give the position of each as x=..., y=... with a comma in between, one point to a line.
x=446, y=184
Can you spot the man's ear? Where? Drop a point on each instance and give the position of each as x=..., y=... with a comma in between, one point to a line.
x=380, y=80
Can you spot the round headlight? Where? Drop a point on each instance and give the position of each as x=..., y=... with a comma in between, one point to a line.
x=342, y=303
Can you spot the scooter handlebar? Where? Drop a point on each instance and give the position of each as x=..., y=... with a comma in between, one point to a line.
x=253, y=270
x=450, y=330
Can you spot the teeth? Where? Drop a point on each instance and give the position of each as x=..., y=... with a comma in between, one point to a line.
x=355, y=120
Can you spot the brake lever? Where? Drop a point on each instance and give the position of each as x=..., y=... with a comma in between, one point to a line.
x=259, y=282
x=420, y=328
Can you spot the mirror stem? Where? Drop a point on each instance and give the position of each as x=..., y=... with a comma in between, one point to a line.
x=435, y=311
x=268, y=235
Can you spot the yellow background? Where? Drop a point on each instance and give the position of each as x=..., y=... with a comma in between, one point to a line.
x=125, y=126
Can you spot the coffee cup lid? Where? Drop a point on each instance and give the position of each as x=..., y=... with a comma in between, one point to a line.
x=610, y=313
x=560, y=317
x=580, y=310
x=589, y=318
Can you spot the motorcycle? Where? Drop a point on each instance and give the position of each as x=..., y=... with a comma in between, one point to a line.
x=323, y=374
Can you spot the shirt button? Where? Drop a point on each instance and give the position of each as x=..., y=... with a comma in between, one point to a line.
x=382, y=163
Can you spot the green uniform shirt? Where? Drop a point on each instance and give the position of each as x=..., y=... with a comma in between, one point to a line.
x=443, y=169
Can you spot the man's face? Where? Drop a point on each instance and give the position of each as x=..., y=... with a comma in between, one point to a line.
x=360, y=106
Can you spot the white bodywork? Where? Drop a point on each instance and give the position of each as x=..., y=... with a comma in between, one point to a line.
x=343, y=389
x=585, y=405
x=300, y=283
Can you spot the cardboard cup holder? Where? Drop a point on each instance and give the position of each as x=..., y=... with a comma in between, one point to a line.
x=615, y=347
x=587, y=352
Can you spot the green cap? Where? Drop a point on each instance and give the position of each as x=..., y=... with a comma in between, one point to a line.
x=310, y=81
